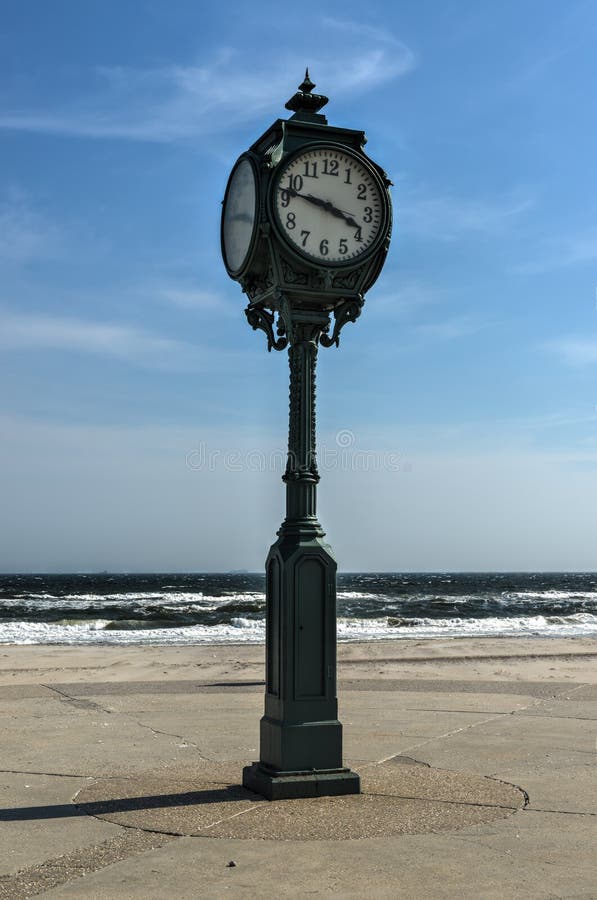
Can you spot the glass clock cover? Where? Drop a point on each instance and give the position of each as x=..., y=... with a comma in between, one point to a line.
x=239, y=215
x=330, y=205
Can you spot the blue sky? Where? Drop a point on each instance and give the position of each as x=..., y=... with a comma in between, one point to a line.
x=143, y=421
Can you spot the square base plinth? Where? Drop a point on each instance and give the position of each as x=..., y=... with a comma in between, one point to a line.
x=294, y=785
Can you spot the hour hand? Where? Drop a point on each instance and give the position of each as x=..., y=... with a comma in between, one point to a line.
x=317, y=201
x=327, y=205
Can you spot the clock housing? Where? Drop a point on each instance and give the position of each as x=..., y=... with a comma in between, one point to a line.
x=329, y=205
x=333, y=267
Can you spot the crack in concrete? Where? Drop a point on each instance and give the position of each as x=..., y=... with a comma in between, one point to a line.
x=522, y=715
x=440, y=737
x=90, y=704
x=470, y=712
x=561, y=812
x=493, y=718
x=80, y=703
x=171, y=734
x=48, y=774
x=487, y=805
x=477, y=843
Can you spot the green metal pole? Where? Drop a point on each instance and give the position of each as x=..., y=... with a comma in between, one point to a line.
x=300, y=735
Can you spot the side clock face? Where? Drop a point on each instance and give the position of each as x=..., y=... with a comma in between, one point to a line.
x=330, y=205
x=239, y=215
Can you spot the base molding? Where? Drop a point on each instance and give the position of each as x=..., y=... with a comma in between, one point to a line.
x=276, y=785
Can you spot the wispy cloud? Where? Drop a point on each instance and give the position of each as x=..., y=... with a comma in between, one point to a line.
x=174, y=102
x=398, y=59
x=125, y=342
x=575, y=351
x=193, y=299
x=448, y=218
x=405, y=298
x=562, y=252
x=450, y=329
x=26, y=234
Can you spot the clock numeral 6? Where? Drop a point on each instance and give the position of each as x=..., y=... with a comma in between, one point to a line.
x=324, y=248
x=343, y=246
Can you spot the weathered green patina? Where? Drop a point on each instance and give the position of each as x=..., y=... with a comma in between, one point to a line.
x=303, y=172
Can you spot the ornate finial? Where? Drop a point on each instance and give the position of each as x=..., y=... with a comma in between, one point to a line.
x=304, y=103
x=307, y=86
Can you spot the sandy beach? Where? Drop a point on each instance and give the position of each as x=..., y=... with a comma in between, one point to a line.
x=516, y=658
x=473, y=753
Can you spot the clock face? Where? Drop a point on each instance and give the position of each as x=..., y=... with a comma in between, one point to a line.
x=330, y=205
x=239, y=215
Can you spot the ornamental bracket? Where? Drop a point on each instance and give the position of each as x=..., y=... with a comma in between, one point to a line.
x=258, y=317
x=348, y=311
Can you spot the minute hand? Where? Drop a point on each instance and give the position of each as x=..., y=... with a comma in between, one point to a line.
x=329, y=207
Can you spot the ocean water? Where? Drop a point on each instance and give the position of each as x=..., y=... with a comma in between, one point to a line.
x=230, y=608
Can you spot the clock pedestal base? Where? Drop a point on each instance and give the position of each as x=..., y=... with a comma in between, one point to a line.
x=295, y=785
x=300, y=735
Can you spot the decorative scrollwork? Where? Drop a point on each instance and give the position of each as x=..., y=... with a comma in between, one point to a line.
x=348, y=280
x=258, y=317
x=348, y=311
x=284, y=315
x=256, y=286
x=321, y=279
x=291, y=276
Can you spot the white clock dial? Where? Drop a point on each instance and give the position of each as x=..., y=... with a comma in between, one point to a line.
x=239, y=214
x=329, y=205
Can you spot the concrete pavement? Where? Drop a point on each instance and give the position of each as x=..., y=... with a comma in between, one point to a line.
x=478, y=787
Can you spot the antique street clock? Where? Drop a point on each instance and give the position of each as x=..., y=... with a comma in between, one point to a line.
x=329, y=205
x=305, y=230
x=306, y=217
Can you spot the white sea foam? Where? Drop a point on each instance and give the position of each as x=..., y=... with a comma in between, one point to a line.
x=244, y=630
x=191, y=601
x=241, y=631
x=553, y=595
x=550, y=626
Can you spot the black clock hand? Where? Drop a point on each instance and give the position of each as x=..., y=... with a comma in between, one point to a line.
x=325, y=204
x=340, y=214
